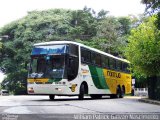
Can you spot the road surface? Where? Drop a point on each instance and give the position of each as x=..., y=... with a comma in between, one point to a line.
x=40, y=107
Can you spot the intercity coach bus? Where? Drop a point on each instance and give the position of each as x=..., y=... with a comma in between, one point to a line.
x=66, y=68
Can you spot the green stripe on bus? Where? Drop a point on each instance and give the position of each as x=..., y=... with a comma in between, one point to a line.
x=98, y=77
x=102, y=78
x=95, y=77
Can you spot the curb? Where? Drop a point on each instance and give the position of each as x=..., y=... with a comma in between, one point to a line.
x=146, y=100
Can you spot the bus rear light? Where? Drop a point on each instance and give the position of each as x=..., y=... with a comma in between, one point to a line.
x=30, y=90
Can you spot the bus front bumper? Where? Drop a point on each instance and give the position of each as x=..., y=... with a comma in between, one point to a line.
x=51, y=89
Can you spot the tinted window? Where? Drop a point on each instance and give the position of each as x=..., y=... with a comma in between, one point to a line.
x=118, y=65
x=125, y=67
x=85, y=55
x=98, y=60
x=95, y=58
x=73, y=50
x=72, y=67
x=105, y=61
x=112, y=63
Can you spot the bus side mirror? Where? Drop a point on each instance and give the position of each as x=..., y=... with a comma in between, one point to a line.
x=29, y=68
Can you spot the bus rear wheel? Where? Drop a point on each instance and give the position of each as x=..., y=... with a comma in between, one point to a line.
x=51, y=97
x=122, y=92
x=82, y=92
x=118, y=93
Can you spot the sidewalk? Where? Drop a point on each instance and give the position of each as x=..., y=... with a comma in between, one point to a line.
x=147, y=100
x=144, y=99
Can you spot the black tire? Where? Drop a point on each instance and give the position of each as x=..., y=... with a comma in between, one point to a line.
x=122, y=92
x=96, y=96
x=51, y=97
x=119, y=93
x=81, y=92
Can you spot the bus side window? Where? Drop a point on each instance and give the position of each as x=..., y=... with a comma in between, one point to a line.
x=72, y=68
x=73, y=50
x=112, y=63
x=125, y=67
x=96, y=59
x=85, y=55
x=73, y=62
x=105, y=61
x=93, y=58
x=118, y=65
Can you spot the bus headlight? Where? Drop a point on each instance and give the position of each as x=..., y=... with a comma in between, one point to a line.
x=30, y=90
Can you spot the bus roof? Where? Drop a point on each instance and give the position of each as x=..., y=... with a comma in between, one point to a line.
x=82, y=45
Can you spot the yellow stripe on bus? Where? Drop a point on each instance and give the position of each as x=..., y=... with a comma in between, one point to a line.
x=114, y=78
x=38, y=80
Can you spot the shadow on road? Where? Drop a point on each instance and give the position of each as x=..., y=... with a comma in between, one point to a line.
x=71, y=99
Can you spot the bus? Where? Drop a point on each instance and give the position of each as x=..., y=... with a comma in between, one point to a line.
x=66, y=68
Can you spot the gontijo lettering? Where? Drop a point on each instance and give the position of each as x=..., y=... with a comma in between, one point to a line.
x=114, y=74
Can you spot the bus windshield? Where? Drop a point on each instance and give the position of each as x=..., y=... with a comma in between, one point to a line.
x=48, y=61
x=47, y=67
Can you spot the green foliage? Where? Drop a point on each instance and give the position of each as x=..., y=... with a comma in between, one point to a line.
x=36, y=27
x=143, y=48
x=125, y=25
x=0, y=45
x=112, y=33
x=85, y=26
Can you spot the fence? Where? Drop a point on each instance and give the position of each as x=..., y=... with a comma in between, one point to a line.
x=141, y=92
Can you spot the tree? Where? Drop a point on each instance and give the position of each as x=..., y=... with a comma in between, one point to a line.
x=143, y=48
x=108, y=30
x=102, y=14
x=112, y=34
x=152, y=6
x=144, y=54
x=104, y=33
x=37, y=26
x=125, y=25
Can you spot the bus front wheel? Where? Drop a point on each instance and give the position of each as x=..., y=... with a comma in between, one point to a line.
x=51, y=97
x=82, y=92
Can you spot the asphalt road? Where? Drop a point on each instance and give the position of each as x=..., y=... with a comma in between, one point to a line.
x=40, y=107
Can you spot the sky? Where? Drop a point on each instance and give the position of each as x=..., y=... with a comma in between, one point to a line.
x=11, y=10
